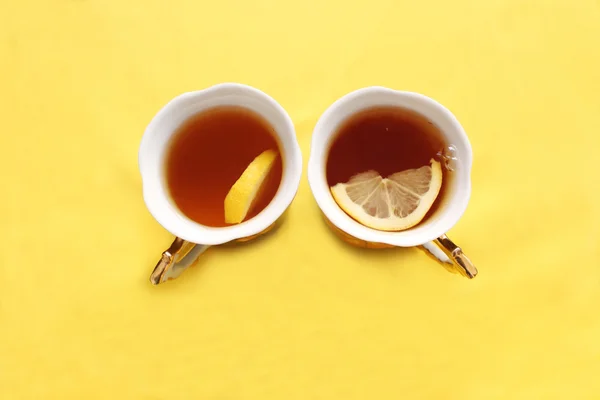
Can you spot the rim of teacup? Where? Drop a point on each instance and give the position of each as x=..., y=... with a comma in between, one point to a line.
x=324, y=132
x=153, y=149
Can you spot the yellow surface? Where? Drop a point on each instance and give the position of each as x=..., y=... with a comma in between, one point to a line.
x=298, y=314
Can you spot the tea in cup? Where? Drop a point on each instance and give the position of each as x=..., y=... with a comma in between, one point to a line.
x=392, y=168
x=218, y=165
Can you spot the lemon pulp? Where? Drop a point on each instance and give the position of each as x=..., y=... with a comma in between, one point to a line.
x=246, y=189
x=395, y=203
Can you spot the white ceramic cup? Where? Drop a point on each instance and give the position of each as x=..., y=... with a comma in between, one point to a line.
x=430, y=233
x=192, y=237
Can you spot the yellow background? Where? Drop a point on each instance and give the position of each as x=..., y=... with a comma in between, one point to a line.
x=298, y=314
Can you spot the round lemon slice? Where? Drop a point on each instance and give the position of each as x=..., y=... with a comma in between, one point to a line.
x=246, y=189
x=395, y=203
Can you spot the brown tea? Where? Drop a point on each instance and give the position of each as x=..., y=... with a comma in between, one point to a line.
x=208, y=154
x=386, y=140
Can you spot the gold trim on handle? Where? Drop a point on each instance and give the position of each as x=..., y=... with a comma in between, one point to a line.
x=175, y=253
x=462, y=264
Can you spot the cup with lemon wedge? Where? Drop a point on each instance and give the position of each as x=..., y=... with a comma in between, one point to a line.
x=240, y=224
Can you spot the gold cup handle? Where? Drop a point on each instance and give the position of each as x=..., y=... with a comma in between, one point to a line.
x=176, y=259
x=460, y=261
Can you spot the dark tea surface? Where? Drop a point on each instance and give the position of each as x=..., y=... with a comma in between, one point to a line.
x=386, y=140
x=209, y=152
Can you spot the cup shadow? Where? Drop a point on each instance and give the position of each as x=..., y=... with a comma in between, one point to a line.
x=377, y=251
x=359, y=248
x=206, y=258
x=266, y=235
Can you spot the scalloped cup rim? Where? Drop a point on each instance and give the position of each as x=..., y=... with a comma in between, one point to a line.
x=153, y=148
x=374, y=96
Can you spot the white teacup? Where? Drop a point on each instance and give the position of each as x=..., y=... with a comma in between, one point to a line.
x=430, y=233
x=192, y=237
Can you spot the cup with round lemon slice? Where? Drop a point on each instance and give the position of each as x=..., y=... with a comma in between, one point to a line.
x=402, y=208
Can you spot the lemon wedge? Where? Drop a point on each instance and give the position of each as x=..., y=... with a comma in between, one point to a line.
x=245, y=190
x=395, y=203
